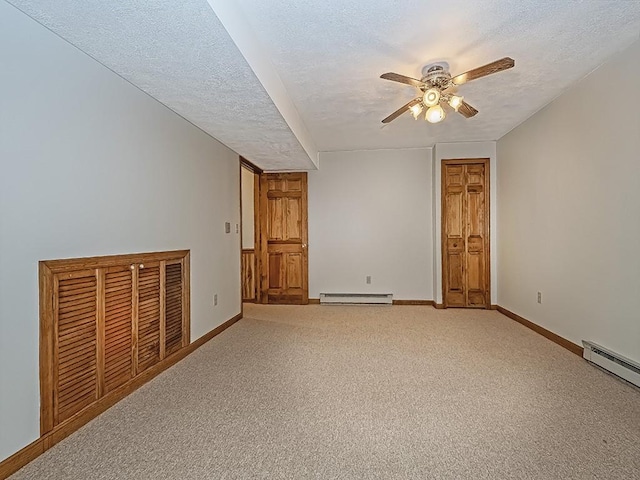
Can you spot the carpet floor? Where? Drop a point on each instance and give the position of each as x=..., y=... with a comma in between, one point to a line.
x=334, y=392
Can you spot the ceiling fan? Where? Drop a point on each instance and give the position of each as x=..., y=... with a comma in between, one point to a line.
x=437, y=88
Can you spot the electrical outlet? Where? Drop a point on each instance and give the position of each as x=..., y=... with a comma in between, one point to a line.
x=539, y=297
x=237, y=228
x=368, y=279
x=215, y=299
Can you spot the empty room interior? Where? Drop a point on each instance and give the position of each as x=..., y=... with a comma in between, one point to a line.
x=319, y=239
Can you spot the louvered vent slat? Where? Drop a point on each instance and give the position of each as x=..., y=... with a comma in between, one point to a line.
x=173, y=307
x=118, y=333
x=76, y=344
x=148, y=317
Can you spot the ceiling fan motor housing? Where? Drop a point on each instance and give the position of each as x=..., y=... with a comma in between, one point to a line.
x=435, y=76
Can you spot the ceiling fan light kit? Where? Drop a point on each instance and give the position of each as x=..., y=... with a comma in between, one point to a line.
x=435, y=114
x=431, y=97
x=438, y=88
x=455, y=102
x=416, y=110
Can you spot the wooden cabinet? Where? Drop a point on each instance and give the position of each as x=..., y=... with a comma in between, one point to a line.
x=105, y=320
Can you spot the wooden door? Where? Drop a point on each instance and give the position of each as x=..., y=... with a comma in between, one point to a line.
x=174, y=331
x=248, y=264
x=118, y=304
x=465, y=233
x=75, y=351
x=283, y=238
x=148, y=315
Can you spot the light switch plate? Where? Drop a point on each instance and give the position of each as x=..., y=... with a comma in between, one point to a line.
x=227, y=227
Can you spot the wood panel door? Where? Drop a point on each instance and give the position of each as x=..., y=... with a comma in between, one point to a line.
x=283, y=238
x=465, y=233
x=248, y=275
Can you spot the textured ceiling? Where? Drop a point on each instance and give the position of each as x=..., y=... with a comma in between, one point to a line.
x=180, y=54
x=329, y=55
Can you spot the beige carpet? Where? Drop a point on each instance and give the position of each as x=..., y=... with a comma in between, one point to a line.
x=365, y=392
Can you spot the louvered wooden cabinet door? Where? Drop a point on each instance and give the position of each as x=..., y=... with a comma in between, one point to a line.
x=103, y=322
x=148, y=315
x=118, y=326
x=174, y=331
x=75, y=352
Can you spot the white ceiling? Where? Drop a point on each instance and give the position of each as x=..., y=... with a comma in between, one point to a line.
x=309, y=78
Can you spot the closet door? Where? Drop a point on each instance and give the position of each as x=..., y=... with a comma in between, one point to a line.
x=75, y=348
x=148, y=315
x=465, y=233
x=118, y=326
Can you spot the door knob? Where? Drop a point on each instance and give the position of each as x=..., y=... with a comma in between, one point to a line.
x=304, y=245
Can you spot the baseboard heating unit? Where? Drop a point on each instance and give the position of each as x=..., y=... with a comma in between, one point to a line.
x=613, y=362
x=356, y=298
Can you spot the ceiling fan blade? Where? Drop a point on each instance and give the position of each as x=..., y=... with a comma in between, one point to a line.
x=396, y=77
x=493, y=67
x=401, y=110
x=467, y=110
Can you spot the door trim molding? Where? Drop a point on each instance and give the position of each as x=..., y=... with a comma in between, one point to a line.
x=250, y=166
x=487, y=227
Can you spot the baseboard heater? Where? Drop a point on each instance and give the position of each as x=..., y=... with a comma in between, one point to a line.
x=612, y=362
x=356, y=298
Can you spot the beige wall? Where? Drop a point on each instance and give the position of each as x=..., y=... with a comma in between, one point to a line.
x=370, y=214
x=569, y=211
x=89, y=165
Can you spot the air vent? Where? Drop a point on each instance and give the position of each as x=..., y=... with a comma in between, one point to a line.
x=356, y=298
x=612, y=362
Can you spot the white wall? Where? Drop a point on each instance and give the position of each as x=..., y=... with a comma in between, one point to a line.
x=444, y=151
x=370, y=214
x=248, y=220
x=569, y=211
x=92, y=166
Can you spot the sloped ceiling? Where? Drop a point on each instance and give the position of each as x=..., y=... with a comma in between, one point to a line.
x=280, y=81
x=180, y=54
